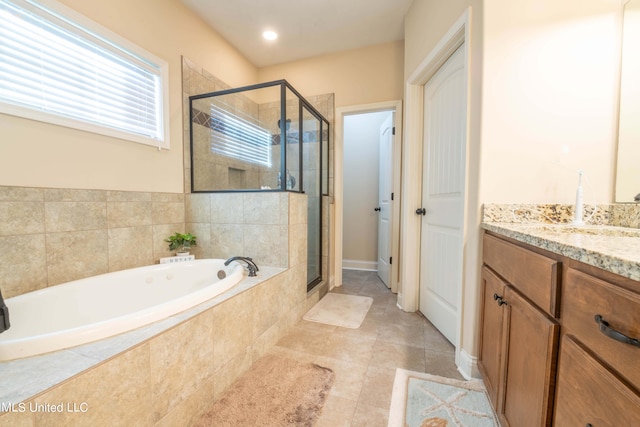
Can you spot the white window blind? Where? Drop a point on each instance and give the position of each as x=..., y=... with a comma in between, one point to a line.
x=56, y=70
x=235, y=137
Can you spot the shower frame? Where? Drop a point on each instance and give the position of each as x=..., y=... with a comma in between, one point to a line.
x=324, y=141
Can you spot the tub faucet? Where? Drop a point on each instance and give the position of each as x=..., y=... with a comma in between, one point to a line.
x=251, y=266
x=4, y=315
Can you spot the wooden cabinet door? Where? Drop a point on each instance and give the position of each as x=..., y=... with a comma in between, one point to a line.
x=588, y=394
x=531, y=352
x=491, y=333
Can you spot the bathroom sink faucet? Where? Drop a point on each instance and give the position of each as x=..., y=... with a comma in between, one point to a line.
x=4, y=315
x=251, y=266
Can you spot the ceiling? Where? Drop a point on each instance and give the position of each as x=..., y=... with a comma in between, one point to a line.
x=306, y=28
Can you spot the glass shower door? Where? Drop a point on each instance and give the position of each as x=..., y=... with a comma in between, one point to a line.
x=311, y=165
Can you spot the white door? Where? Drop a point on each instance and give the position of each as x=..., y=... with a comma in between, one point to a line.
x=385, y=185
x=443, y=178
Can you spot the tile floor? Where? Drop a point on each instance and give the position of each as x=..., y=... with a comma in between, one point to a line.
x=364, y=360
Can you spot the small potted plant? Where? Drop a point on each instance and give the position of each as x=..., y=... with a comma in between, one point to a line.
x=181, y=242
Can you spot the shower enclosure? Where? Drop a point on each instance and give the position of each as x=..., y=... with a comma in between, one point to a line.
x=264, y=137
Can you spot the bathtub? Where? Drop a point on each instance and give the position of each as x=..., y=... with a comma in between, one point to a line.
x=98, y=307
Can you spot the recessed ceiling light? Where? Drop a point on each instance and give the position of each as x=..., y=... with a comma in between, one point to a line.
x=270, y=35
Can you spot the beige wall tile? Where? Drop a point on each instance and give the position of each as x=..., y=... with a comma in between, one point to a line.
x=189, y=410
x=227, y=240
x=167, y=197
x=73, y=195
x=167, y=212
x=264, y=244
x=228, y=373
x=182, y=359
x=21, y=194
x=197, y=208
x=128, y=196
x=297, y=244
x=130, y=247
x=262, y=208
x=298, y=208
x=227, y=208
x=117, y=392
x=17, y=419
x=76, y=255
x=234, y=322
x=23, y=264
x=21, y=218
x=203, y=233
x=160, y=234
x=128, y=214
x=75, y=216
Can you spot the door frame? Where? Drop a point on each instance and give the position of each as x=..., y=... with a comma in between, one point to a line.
x=341, y=112
x=457, y=35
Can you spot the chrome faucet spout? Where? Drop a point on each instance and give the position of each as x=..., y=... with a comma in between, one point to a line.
x=251, y=266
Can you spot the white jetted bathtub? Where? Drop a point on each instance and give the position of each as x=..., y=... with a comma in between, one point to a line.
x=98, y=307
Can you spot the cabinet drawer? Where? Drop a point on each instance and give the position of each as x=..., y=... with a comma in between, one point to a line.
x=585, y=297
x=534, y=275
x=588, y=394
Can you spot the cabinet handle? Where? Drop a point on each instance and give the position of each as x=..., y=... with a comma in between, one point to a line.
x=612, y=333
x=500, y=299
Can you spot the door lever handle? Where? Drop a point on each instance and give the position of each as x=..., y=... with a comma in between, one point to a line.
x=421, y=211
x=377, y=209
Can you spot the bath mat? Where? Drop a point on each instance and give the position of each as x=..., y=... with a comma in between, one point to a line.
x=423, y=400
x=275, y=391
x=347, y=311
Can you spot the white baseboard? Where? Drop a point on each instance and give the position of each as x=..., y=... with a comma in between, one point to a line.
x=354, y=264
x=467, y=365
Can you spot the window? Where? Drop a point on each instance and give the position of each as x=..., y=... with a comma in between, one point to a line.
x=58, y=67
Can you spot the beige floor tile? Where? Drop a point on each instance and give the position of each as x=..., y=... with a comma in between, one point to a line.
x=377, y=387
x=370, y=416
x=348, y=379
x=302, y=340
x=442, y=364
x=390, y=355
x=349, y=349
x=412, y=335
x=337, y=412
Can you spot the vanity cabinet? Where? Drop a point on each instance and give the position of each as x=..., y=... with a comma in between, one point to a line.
x=558, y=339
x=599, y=365
x=518, y=345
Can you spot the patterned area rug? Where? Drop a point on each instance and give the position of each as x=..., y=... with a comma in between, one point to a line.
x=347, y=311
x=276, y=391
x=423, y=400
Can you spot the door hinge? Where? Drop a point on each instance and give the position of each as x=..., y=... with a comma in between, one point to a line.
x=390, y=260
x=391, y=196
x=393, y=131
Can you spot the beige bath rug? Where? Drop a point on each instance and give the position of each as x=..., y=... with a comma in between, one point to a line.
x=347, y=311
x=424, y=400
x=276, y=391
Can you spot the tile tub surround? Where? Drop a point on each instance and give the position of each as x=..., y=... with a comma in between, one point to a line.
x=50, y=236
x=170, y=371
x=174, y=374
x=609, y=247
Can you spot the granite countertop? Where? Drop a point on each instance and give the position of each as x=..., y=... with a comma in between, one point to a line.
x=611, y=248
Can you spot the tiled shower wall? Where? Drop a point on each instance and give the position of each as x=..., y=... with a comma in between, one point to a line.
x=51, y=236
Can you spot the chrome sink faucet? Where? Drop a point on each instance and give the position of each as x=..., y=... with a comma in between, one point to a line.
x=4, y=315
x=251, y=266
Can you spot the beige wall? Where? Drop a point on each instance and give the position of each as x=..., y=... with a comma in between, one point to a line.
x=359, y=76
x=628, y=176
x=43, y=155
x=549, y=99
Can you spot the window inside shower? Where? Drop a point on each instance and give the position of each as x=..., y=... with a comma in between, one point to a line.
x=263, y=138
